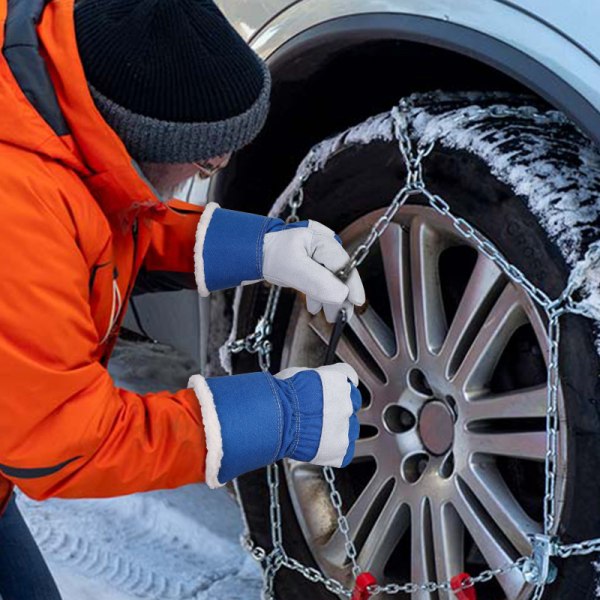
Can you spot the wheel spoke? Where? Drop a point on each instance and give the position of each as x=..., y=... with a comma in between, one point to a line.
x=334, y=550
x=448, y=543
x=397, y=278
x=530, y=445
x=481, y=290
x=428, y=308
x=375, y=335
x=492, y=492
x=421, y=556
x=505, y=317
x=391, y=525
x=367, y=447
x=521, y=404
x=348, y=353
x=370, y=416
x=485, y=539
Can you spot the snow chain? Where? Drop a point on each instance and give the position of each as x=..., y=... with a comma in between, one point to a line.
x=537, y=569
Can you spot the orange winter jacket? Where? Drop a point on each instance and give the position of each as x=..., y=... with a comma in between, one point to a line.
x=77, y=224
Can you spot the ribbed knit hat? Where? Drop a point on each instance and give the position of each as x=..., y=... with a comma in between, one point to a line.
x=172, y=77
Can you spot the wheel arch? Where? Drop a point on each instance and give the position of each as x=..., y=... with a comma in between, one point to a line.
x=343, y=70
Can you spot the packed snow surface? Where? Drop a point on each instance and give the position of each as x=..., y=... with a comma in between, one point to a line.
x=170, y=545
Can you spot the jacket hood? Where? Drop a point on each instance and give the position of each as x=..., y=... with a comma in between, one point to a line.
x=46, y=106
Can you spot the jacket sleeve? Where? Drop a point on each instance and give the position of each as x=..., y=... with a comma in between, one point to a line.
x=169, y=263
x=65, y=429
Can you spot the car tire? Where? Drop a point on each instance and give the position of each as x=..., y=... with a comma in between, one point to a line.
x=361, y=178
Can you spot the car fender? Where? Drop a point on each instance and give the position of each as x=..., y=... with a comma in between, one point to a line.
x=529, y=47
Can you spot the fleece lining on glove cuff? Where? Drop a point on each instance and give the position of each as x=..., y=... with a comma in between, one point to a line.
x=244, y=421
x=212, y=430
x=199, y=247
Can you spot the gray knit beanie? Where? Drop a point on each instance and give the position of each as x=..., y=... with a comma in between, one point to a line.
x=172, y=77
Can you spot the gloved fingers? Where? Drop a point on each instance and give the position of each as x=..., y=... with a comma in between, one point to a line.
x=313, y=306
x=290, y=372
x=356, y=289
x=338, y=430
x=327, y=251
x=338, y=368
x=331, y=312
x=319, y=283
x=321, y=229
x=332, y=394
x=336, y=258
x=344, y=369
x=349, y=310
x=353, y=432
x=356, y=398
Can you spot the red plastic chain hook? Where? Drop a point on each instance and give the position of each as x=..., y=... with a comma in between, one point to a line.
x=361, y=591
x=461, y=593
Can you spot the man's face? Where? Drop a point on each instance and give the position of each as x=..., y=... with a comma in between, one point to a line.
x=167, y=178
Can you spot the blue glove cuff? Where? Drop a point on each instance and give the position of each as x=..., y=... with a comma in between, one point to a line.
x=229, y=247
x=254, y=420
x=301, y=442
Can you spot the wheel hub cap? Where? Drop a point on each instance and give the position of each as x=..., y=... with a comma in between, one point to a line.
x=436, y=427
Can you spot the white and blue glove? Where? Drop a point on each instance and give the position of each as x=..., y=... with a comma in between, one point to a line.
x=235, y=248
x=253, y=420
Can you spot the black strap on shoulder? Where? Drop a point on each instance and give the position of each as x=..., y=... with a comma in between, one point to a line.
x=22, y=53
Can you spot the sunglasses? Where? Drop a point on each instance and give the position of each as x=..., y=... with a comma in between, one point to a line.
x=206, y=169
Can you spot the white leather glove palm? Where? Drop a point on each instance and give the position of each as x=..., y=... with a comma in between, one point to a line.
x=305, y=256
x=234, y=248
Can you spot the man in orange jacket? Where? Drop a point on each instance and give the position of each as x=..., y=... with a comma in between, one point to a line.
x=106, y=106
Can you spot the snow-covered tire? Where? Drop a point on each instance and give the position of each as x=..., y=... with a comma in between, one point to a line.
x=532, y=189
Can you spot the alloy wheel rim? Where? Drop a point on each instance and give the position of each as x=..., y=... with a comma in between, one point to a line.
x=433, y=428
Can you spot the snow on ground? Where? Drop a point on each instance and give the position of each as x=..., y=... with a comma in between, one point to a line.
x=169, y=545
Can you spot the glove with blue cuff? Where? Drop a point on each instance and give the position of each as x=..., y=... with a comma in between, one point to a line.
x=253, y=420
x=235, y=248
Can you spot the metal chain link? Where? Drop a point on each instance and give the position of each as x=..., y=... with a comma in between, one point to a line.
x=578, y=549
x=258, y=341
x=432, y=586
x=551, y=423
x=535, y=568
x=343, y=525
x=333, y=585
